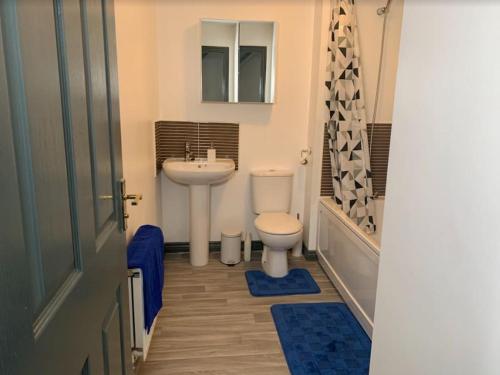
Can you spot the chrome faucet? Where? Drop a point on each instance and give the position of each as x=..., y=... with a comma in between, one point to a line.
x=188, y=155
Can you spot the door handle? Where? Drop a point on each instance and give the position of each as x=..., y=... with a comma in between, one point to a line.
x=135, y=198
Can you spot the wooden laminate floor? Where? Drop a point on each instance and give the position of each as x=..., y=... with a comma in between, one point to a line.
x=210, y=324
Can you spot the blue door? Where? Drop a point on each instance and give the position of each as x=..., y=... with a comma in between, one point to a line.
x=63, y=290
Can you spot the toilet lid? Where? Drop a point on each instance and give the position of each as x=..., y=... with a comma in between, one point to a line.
x=277, y=223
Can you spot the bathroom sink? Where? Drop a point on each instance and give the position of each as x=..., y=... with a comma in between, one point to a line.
x=199, y=172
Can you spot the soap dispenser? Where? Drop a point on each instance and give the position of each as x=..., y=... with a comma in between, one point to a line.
x=211, y=153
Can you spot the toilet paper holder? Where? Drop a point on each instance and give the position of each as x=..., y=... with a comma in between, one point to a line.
x=304, y=155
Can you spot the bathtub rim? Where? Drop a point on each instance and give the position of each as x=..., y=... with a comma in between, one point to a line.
x=330, y=205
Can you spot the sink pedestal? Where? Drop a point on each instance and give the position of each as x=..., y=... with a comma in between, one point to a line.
x=199, y=224
x=199, y=175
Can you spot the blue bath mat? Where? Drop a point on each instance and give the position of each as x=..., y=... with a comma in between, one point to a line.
x=321, y=339
x=298, y=281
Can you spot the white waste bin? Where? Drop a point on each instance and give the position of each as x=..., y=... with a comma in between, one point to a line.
x=230, y=252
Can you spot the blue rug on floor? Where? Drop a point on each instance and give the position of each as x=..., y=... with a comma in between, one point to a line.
x=298, y=281
x=322, y=338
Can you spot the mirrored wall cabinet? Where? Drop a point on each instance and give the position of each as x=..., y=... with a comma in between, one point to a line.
x=238, y=61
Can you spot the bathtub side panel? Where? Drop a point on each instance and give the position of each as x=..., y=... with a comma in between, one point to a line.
x=350, y=263
x=355, y=263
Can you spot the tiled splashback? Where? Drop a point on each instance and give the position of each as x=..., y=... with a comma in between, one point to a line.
x=379, y=159
x=171, y=137
x=326, y=167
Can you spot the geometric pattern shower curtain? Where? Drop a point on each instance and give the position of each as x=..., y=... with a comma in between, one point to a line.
x=348, y=137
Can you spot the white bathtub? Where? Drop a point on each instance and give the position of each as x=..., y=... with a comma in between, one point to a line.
x=350, y=258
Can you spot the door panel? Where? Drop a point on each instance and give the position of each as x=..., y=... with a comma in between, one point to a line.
x=46, y=134
x=95, y=69
x=64, y=284
x=15, y=335
x=111, y=341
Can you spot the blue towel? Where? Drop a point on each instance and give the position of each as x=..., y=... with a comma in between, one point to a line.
x=145, y=251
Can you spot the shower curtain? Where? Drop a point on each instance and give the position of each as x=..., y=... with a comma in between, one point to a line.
x=348, y=138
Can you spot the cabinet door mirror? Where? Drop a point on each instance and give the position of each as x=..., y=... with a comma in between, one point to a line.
x=238, y=61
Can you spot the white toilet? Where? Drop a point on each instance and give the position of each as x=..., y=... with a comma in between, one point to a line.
x=278, y=230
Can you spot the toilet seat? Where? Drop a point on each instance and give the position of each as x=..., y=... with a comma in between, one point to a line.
x=278, y=223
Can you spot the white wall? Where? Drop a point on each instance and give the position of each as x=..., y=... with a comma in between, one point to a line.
x=164, y=83
x=137, y=74
x=370, y=37
x=270, y=135
x=438, y=299
x=318, y=115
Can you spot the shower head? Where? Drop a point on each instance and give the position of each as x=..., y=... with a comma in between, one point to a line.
x=384, y=10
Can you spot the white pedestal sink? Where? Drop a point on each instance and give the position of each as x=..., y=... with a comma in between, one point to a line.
x=199, y=175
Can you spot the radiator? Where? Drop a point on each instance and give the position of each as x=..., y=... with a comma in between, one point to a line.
x=140, y=339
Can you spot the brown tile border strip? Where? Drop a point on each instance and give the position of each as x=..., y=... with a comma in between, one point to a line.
x=326, y=167
x=379, y=157
x=171, y=136
x=379, y=160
